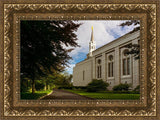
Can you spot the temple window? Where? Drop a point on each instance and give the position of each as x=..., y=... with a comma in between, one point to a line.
x=99, y=69
x=110, y=66
x=83, y=75
x=126, y=63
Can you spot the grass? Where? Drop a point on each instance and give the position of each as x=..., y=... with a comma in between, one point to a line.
x=105, y=95
x=37, y=95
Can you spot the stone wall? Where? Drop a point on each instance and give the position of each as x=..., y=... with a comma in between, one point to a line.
x=82, y=73
x=86, y=70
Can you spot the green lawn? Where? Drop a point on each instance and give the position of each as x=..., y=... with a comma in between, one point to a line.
x=105, y=95
x=38, y=94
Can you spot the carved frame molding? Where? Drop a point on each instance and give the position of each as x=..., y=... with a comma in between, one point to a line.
x=13, y=13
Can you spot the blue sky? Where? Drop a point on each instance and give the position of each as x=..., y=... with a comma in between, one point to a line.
x=104, y=32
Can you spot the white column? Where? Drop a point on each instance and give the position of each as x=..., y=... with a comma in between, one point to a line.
x=135, y=69
x=103, y=67
x=117, y=66
x=93, y=68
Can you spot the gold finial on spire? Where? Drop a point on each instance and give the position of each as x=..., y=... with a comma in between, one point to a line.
x=92, y=27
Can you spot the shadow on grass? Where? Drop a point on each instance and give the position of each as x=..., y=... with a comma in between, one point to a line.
x=37, y=95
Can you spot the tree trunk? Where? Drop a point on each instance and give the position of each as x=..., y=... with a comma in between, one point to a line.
x=33, y=86
x=45, y=87
x=48, y=87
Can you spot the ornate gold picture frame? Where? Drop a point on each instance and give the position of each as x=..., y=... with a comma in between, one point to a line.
x=11, y=12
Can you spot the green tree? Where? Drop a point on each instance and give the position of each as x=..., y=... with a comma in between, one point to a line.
x=48, y=81
x=42, y=47
x=57, y=79
x=63, y=80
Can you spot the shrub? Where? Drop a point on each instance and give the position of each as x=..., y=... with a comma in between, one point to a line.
x=121, y=87
x=66, y=87
x=137, y=89
x=80, y=87
x=97, y=85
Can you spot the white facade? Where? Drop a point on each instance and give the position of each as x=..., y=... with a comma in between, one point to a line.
x=109, y=63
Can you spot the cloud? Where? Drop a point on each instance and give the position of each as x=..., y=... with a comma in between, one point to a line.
x=104, y=31
x=70, y=68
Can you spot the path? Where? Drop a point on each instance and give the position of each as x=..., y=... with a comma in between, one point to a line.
x=65, y=95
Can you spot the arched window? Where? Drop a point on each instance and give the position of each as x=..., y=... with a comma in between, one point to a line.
x=126, y=62
x=99, y=69
x=83, y=74
x=110, y=66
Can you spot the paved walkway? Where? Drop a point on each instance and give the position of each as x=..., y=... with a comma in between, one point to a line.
x=65, y=95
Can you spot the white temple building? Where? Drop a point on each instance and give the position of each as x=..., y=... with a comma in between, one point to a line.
x=109, y=63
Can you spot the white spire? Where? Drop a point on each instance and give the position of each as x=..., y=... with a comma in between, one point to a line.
x=92, y=39
x=92, y=44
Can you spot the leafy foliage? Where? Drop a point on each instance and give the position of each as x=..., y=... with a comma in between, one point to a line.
x=131, y=22
x=37, y=95
x=137, y=89
x=121, y=87
x=42, y=47
x=63, y=80
x=134, y=48
x=97, y=85
x=56, y=80
x=25, y=85
x=39, y=85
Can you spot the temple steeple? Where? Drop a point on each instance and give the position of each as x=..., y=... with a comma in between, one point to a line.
x=92, y=44
x=92, y=39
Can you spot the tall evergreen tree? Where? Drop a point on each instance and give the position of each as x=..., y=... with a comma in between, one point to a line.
x=42, y=47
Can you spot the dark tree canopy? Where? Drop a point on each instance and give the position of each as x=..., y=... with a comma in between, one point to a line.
x=42, y=46
x=131, y=22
